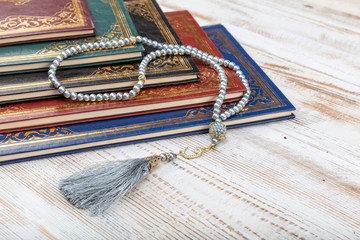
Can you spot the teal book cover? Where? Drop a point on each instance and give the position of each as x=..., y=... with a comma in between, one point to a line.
x=267, y=103
x=111, y=20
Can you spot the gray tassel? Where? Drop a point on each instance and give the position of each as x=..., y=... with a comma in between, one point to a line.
x=96, y=188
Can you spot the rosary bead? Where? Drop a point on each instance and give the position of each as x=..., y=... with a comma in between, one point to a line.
x=246, y=95
x=80, y=96
x=152, y=55
x=216, y=59
x=163, y=52
x=222, y=92
x=160, y=45
x=231, y=65
x=181, y=51
x=64, y=55
x=217, y=105
x=221, y=97
x=144, y=39
x=231, y=111
x=215, y=116
x=126, y=96
x=86, y=97
x=106, y=96
x=51, y=71
x=96, y=45
x=139, y=39
x=221, y=61
x=59, y=58
x=119, y=96
x=187, y=51
x=175, y=51
x=171, y=156
x=170, y=46
x=73, y=95
x=114, y=43
x=169, y=51
x=193, y=53
x=199, y=55
x=102, y=45
x=68, y=52
x=226, y=63
x=126, y=41
x=92, y=97
x=158, y=53
x=85, y=48
x=216, y=111
x=61, y=89
x=73, y=50
x=214, y=141
x=136, y=88
x=121, y=43
x=236, y=109
x=56, y=84
x=236, y=68
x=66, y=93
x=112, y=96
x=223, y=117
x=240, y=105
x=99, y=97
x=56, y=63
x=140, y=83
x=90, y=46
x=163, y=157
x=132, y=94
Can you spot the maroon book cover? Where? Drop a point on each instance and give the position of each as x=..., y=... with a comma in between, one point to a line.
x=23, y=21
x=54, y=112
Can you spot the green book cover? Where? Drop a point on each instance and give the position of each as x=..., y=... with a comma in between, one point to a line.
x=112, y=21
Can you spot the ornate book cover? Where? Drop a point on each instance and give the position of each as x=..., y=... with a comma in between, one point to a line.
x=54, y=112
x=150, y=21
x=267, y=104
x=24, y=21
x=111, y=20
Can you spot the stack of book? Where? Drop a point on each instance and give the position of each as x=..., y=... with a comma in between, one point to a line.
x=36, y=122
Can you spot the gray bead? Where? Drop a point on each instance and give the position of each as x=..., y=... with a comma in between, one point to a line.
x=169, y=51
x=217, y=105
x=102, y=45
x=59, y=58
x=90, y=46
x=165, y=46
x=158, y=53
x=119, y=96
x=51, y=71
x=106, y=96
x=140, y=83
x=121, y=43
x=221, y=97
x=132, y=93
x=64, y=55
x=236, y=68
x=92, y=97
x=61, y=89
x=56, y=84
x=80, y=96
x=154, y=44
x=136, y=88
x=248, y=90
x=231, y=65
x=99, y=97
x=221, y=61
x=170, y=46
x=68, y=52
x=232, y=112
x=222, y=92
x=112, y=96
x=114, y=43
x=236, y=109
x=216, y=111
x=73, y=95
x=56, y=62
x=86, y=97
x=217, y=130
x=223, y=116
x=73, y=50
x=153, y=55
x=160, y=45
x=139, y=39
x=175, y=51
x=96, y=45
x=171, y=156
x=126, y=41
x=216, y=59
x=85, y=48
x=67, y=93
x=246, y=95
x=215, y=141
x=226, y=63
x=126, y=96
x=163, y=52
x=193, y=53
x=199, y=55
x=215, y=116
x=52, y=77
x=163, y=157
x=240, y=105
x=219, y=101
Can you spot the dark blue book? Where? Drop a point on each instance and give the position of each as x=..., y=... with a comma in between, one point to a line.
x=266, y=104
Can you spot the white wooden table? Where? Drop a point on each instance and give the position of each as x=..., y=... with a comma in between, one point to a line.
x=296, y=179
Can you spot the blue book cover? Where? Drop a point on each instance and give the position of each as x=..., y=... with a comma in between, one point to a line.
x=266, y=104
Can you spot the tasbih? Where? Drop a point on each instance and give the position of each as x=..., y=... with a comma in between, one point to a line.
x=96, y=188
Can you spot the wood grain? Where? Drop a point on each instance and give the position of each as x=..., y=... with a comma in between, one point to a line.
x=297, y=179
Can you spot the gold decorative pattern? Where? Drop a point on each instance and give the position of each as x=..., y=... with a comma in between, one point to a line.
x=153, y=162
x=69, y=16
x=17, y=2
x=139, y=9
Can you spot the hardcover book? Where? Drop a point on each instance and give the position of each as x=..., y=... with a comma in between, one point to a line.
x=266, y=104
x=111, y=20
x=24, y=21
x=54, y=112
x=149, y=21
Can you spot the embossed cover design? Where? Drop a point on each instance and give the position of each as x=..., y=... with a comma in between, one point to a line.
x=37, y=20
x=111, y=20
x=267, y=104
x=149, y=21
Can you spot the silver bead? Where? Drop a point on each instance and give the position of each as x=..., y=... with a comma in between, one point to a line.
x=86, y=97
x=217, y=130
x=140, y=83
x=170, y=46
x=219, y=101
x=215, y=116
x=236, y=68
x=158, y=53
x=119, y=96
x=112, y=96
x=216, y=59
x=102, y=45
x=144, y=39
x=193, y=53
x=80, y=96
x=90, y=46
x=121, y=43
x=136, y=88
x=106, y=96
x=231, y=65
x=96, y=45
x=64, y=55
x=56, y=63
x=92, y=97
x=165, y=46
x=217, y=106
x=59, y=58
x=236, y=109
x=223, y=116
x=84, y=48
x=99, y=97
x=153, y=55
x=114, y=43
x=216, y=111
x=56, y=84
x=187, y=51
x=68, y=52
x=240, y=105
x=163, y=52
x=222, y=92
x=126, y=96
x=175, y=51
x=246, y=95
x=73, y=95
x=226, y=63
x=67, y=93
x=169, y=51
x=160, y=45
x=138, y=39
x=163, y=157
x=61, y=89
x=154, y=44
x=73, y=50
x=199, y=55
x=51, y=71
x=171, y=156
x=126, y=41
x=221, y=61
x=132, y=93
x=221, y=97
x=78, y=49
x=215, y=141
x=231, y=111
